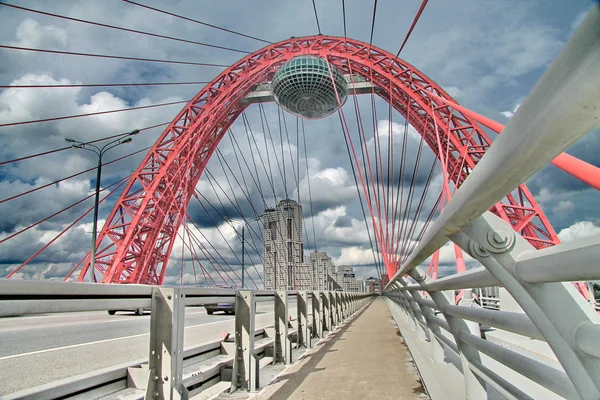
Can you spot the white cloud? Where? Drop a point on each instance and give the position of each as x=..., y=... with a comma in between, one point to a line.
x=564, y=207
x=578, y=230
x=509, y=114
x=31, y=33
x=354, y=256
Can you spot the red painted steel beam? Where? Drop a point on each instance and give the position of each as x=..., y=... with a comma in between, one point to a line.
x=585, y=172
x=137, y=239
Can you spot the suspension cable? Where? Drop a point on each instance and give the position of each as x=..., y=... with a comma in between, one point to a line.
x=223, y=236
x=197, y=22
x=37, y=253
x=71, y=176
x=72, y=53
x=62, y=210
x=84, y=85
x=372, y=23
x=120, y=28
x=312, y=213
x=412, y=26
x=91, y=114
x=211, y=259
x=70, y=147
x=316, y=17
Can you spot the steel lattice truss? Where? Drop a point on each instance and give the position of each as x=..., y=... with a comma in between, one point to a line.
x=136, y=241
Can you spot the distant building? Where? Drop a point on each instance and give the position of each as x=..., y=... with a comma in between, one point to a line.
x=284, y=250
x=321, y=266
x=371, y=285
x=346, y=279
x=384, y=281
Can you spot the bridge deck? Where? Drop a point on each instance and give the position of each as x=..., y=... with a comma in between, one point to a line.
x=366, y=359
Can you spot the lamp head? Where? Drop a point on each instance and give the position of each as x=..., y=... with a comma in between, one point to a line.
x=126, y=140
x=69, y=140
x=134, y=132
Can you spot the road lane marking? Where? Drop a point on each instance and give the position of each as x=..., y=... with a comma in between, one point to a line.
x=104, y=341
x=98, y=341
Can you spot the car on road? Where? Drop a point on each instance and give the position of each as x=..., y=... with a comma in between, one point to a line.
x=227, y=308
x=136, y=311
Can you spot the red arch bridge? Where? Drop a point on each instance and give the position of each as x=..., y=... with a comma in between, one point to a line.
x=519, y=324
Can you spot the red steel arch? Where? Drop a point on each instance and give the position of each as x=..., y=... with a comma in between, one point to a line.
x=136, y=241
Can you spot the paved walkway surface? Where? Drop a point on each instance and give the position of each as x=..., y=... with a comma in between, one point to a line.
x=366, y=359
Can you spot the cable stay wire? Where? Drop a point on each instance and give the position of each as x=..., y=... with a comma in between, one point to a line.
x=211, y=259
x=91, y=114
x=316, y=17
x=120, y=28
x=344, y=17
x=62, y=210
x=364, y=158
x=194, y=256
x=284, y=177
x=281, y=174
x=198, y=22
x=44, y=247
x=312, y=212
x=409, y=235
x=84, y=85
x=252, y=245
x=412, y=26
x=223, y=236
x=235, y=144
x=72, y=176
x=362, y=207
x=372, y=22
x=80, y=54
x=364, y=181
x=70, y=147
x=226, y=215
x=215, y=250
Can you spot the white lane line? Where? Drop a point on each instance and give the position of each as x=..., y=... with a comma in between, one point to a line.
x=99, y=341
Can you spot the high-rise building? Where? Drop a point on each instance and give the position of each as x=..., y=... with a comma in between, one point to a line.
x=284, y=250
x=321, y=267
x=346, y=278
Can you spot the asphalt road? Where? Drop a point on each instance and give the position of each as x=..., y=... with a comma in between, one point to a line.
x=35, y=350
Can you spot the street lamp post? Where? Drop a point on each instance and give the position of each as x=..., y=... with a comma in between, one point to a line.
x=243, y=222
x=99, y=151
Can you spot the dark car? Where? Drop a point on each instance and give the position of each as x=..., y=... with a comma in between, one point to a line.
x=227, y=308
x=136, y=311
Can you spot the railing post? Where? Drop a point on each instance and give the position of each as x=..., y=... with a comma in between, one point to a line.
x=166, y=343
x=474, y=387
x=421, y=322
x=334, y=309
x=346, y=306
x=317, y=314
x=303, y=335
x=245, y=363
x=281, y=347
x=327, y=311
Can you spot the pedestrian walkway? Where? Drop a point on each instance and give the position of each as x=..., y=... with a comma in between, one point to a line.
x=365, y=359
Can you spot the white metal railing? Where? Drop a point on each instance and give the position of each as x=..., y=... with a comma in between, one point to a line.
x=562, y=107
x=170, y=371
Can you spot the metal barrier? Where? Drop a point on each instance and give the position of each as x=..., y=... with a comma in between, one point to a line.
x=563, y=107
x=170, y=371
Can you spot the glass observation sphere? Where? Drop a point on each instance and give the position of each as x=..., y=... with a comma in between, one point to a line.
x=303, y=86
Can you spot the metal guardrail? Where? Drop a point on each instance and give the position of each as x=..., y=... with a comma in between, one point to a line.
x=562, y=107
x=170, y=371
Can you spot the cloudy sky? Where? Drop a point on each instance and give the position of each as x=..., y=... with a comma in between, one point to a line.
x=486, y=54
